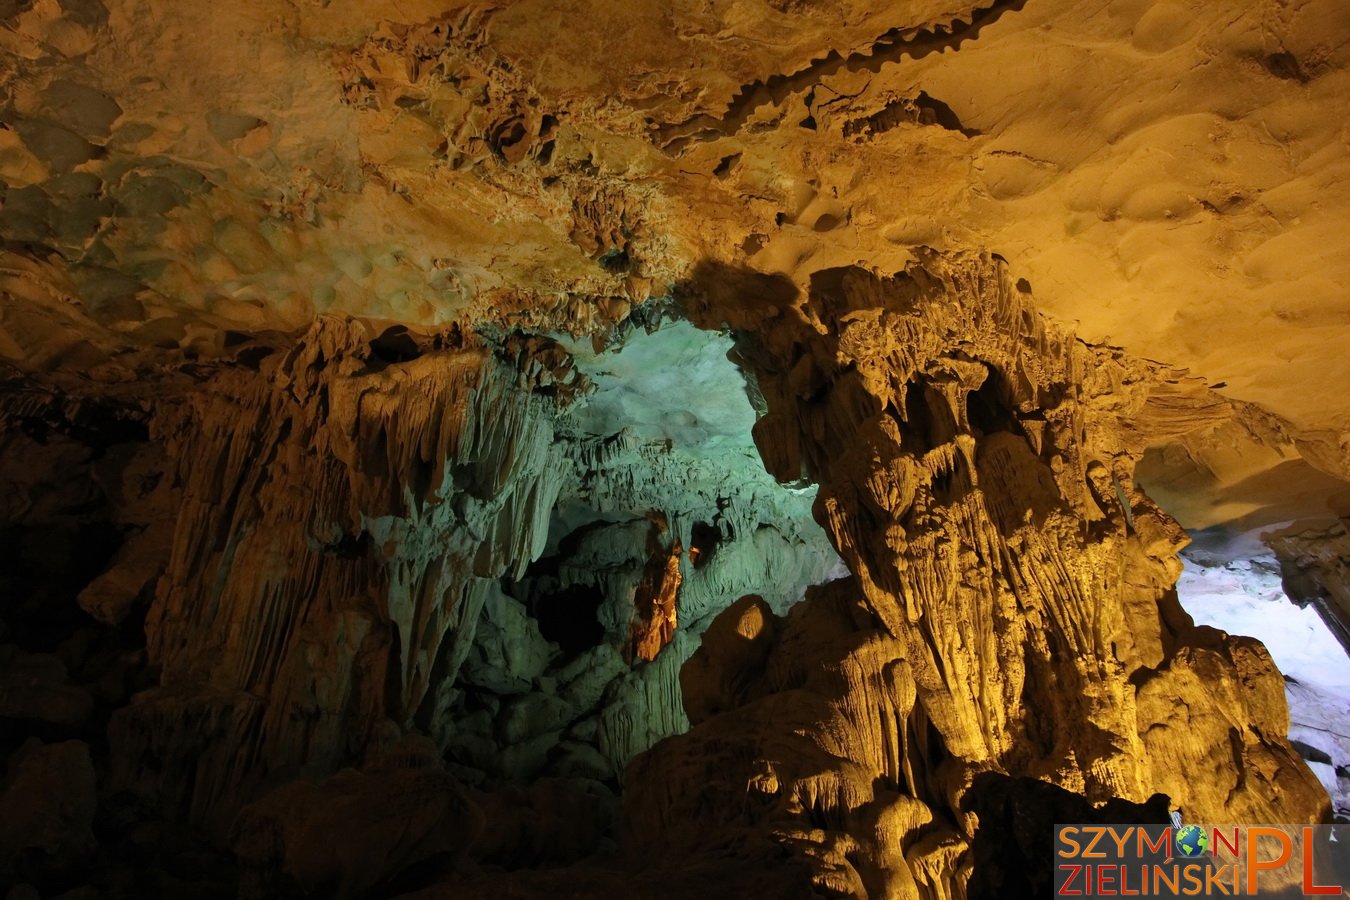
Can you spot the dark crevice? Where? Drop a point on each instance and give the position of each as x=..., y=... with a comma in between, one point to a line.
x=570, y=618
x=892, y=46
x=726, y=165
x=989, y=407
x=615, y=260
x=703, y=543
x=934, y=112
x=1285, y=66
x=395, y=345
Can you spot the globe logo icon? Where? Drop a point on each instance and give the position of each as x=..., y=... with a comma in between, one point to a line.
x=1192, y=840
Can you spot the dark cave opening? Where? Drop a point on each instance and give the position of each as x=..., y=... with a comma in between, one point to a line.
x=931, y=420
x=987, y=406
x=570, y=618
x=48, y=567
x=703, y=543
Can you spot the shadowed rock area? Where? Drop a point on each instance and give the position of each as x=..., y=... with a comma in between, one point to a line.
x=670, y=450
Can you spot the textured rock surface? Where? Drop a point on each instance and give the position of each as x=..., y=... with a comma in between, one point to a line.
x=838, y=775
x=379, y=160
x=1248, y=598
x=48, y=801
x=1316, y=563
x=1017, y=583
x=353, y=832
x=379, y=501
x=341, y=573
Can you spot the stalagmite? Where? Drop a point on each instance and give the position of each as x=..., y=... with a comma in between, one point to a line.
x=654, y=599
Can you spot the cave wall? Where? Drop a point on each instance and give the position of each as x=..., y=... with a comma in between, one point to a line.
x=1313, y=561
x=1016, y=583
x=340, y=548
x=337, y=537
x=336, y=510
x=555, y=684
x=251, y=542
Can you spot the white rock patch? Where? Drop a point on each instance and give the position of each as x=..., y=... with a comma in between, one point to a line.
x=1245, y=596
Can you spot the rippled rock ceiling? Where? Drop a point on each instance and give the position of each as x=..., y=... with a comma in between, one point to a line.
x=665, y=448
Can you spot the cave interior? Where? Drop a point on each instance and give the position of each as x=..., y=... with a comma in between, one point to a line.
x=666, y=449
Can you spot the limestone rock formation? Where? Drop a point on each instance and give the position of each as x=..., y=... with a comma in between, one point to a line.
x=656, y=618
x=346, y=835
x=1017, y=583
x=1314, y=561
x=377, y=535
x=48, y=801
x=812, y=723
x=662, y=448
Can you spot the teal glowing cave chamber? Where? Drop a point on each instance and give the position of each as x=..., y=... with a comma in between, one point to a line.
x=661, y=472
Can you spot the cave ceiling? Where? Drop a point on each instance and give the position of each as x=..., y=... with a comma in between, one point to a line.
x=538, y=447
x=1166, y=176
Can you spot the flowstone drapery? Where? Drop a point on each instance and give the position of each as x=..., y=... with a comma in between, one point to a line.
x=1011, y=614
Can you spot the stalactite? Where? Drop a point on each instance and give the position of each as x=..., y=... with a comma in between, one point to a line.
x=1017, y=595
x=313, y=598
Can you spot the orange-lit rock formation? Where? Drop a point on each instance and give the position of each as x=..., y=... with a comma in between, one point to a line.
x=673, y=448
